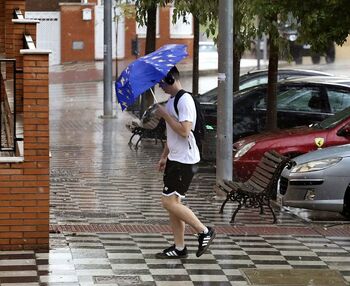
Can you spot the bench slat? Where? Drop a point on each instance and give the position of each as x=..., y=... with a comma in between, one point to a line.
x=263, y=172
x=256, y=186
x=267, y=168
x=269, y=162
x=274, y=156
x=264, y=182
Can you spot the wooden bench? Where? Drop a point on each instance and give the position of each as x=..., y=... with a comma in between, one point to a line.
x=149, y=127
x=259, y=188
x=157, y=133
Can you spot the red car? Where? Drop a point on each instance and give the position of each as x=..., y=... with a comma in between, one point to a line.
x=334, y=130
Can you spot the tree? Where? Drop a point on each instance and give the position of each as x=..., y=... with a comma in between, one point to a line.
x=204, y=13
x=244, y=32
x=146, y=14
x=121, y=10
x=269, y=13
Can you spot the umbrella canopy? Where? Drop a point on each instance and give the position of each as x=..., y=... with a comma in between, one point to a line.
x=146, y=72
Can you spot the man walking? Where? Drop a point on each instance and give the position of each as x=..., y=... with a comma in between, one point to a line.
x=178, y=161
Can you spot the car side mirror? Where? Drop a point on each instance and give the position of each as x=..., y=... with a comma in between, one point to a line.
x=344, y=132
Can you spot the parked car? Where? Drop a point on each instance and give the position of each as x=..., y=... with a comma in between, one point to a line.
x=298, y=50
x=300, y=101
x=319, y=180
x=257, y=77
x=333, y=131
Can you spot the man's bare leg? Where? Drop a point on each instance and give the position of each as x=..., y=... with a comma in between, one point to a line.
x=174, y=206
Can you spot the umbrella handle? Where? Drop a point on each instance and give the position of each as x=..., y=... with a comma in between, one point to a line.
x=154, y=96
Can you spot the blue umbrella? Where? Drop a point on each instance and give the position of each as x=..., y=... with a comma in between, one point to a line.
x=146, y=72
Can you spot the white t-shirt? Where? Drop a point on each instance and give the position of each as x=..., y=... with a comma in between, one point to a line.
x=181, y=149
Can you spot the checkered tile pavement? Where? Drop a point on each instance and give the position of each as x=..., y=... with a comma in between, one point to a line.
x=128, y=259
x=107, y=222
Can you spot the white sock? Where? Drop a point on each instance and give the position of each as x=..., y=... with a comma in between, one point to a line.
x=179, y=248
x=205, y=231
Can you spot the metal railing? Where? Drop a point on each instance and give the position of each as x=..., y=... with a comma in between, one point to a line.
x=8, y=112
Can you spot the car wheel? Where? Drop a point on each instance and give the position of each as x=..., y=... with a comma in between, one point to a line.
x=346, y=205
x=316, y=59
x=298, y=60
x=330, y=55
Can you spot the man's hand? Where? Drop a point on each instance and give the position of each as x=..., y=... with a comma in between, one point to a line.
x=161, y=164
x=161, y=111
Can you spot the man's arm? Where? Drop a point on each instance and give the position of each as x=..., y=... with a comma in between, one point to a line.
x=181, y=128
x=163, y=158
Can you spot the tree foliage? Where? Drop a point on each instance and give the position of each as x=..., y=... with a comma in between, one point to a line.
x=206, y=12
x=329, y=22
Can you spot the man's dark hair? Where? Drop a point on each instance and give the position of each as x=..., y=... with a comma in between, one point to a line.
x=172, y=75
x=174, y=72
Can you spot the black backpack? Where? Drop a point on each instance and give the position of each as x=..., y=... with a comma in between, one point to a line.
x=199, y=130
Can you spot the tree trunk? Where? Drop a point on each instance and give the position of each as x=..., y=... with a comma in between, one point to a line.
x=147, y=98
x=271, y=108
x=236, y=64
x=195, y=74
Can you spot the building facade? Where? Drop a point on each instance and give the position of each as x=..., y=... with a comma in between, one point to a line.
x=80, y=26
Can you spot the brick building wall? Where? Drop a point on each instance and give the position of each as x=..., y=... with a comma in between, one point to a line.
x=164, y=35
x=10, y=5
x=76, y=30
x=2, y=26
x=24, y=180
x=47, y=5
x=24, y=186
x=21, y=27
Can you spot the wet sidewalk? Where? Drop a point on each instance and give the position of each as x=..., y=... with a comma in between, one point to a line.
x=107, y=221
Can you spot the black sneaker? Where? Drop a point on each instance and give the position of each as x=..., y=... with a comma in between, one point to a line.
x=205, y=240
x=172, y=252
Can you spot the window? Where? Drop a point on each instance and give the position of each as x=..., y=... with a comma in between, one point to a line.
x=141, y=30
x=253, y=82
x=298, y=99
x=338, y=100
x=181, y=29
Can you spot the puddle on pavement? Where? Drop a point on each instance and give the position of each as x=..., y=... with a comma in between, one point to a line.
x=294, y=277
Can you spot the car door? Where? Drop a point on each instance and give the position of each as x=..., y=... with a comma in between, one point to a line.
x=245, y=118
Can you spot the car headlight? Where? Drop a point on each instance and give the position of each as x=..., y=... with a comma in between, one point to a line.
x=244, y=149
x=316, y=165
x=292, y=38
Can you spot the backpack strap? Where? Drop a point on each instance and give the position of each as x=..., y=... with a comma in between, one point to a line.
x=180, y=93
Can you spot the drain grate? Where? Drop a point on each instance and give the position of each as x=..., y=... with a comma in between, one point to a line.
x=90, y=214
x=118, y=280
x=295, y=277
x=60, y=175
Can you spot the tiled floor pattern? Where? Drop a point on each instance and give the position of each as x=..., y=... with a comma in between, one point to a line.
x=127, y=259
x=99, y=185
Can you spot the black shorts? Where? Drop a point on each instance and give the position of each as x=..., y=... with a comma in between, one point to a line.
x=177, y=177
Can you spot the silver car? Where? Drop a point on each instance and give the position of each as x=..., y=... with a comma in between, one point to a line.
x=320, y=180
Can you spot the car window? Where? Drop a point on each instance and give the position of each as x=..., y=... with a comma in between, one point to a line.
x=338, y=100
x=253, y=82
x=209, y=96
x=299, y=99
